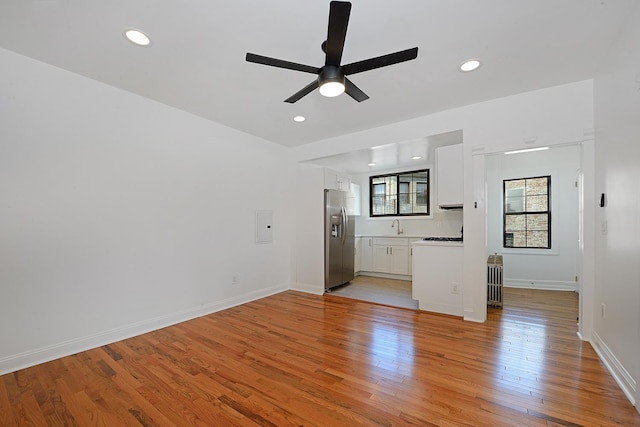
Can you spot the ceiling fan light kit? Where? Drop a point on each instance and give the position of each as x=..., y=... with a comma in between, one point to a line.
x=332, y=80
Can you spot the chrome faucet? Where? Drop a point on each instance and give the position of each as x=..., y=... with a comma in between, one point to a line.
x=398, y=230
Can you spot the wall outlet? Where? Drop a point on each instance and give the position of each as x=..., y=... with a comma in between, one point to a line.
x=234, y=280
x=455, y=288
x=603, y=310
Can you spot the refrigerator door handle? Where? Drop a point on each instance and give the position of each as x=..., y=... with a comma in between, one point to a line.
x=344, y=224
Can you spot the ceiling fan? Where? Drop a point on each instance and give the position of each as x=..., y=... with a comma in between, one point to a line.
x=332, y=80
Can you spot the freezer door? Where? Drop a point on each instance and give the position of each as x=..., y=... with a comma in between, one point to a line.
x=348, y=247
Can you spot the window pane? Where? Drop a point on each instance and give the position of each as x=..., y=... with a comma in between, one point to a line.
x=400, y=194
x=537, y=239
x=404, y=187
x=422, y=194
x=539, y=222
x=536, y=186
x=537, y=203
x=515, y=223
x=378, y=198
x=517, y=239
x=514, y=204
x=514, y=187
x=420, y=209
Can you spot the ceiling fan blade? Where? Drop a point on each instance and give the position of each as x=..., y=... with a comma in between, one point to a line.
x=354, y=91
x=302, y=92
x=339, y=12
x=265, y=60
x=380, y=61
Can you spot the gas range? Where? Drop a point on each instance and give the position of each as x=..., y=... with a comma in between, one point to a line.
x=443, y=239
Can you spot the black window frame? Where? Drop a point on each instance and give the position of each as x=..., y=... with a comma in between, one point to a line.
x=426, y=197
x=524, y=212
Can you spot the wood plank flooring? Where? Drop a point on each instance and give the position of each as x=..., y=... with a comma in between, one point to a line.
x=301, y=359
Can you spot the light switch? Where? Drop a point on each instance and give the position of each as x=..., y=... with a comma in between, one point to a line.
x=604, y=227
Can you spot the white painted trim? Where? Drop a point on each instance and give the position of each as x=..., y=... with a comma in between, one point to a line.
x=385, y=275
x=308, y=288
x=547, y=285
x=587, y=240
x=452, y=310
x=469, y=316
x=615, y=368
x=45, y=354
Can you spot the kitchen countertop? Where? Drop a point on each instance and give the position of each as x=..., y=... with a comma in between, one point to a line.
x=437, y=243
x=406, y=236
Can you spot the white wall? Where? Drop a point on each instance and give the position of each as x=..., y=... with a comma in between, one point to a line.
x=120, y=215
x=617, y=117
x=553, y=116
x=554, y=268
x=309, y=235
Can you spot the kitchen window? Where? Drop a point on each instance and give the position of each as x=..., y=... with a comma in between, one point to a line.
x=399, y=194
x=527, y=213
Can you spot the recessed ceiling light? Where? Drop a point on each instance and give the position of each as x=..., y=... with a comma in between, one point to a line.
x=299, y=119
x=371, y=164
x=470, y=65
x=416, y=157
x=137, y=37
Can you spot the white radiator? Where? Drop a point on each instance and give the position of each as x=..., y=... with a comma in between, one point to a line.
x=494, y=281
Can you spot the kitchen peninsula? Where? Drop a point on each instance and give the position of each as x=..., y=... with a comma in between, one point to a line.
x=437, y=276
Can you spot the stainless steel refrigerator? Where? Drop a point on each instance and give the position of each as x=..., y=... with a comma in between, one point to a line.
x=339, y=240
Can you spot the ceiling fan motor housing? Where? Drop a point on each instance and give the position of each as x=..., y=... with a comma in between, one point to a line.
x=331, y=73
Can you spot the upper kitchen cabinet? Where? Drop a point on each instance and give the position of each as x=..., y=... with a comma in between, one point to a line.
x=450, y=174
x=334, y=180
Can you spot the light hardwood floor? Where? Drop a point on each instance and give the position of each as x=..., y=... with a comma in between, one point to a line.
x=301, y=359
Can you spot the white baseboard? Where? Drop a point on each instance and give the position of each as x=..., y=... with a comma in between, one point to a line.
x=547, y=285
x=385, y=275
x=441, y=308
x=470, y=316
x=617, y=370
x=308, y=288
x=45, y=354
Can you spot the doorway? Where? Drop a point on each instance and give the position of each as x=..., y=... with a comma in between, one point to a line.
x=558, y=267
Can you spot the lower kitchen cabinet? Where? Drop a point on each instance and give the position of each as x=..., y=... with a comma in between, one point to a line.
x=357, y=262
x=391, y=255
x=366, y=254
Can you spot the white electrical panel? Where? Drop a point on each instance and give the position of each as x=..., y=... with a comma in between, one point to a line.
x=264, y=226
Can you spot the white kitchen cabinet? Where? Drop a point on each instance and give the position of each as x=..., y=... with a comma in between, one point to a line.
x=450, y=176
x=357, y=262
x=334, y=180
x=411, y=254
x=366, y=254
x=353, y=200
x=391, y=255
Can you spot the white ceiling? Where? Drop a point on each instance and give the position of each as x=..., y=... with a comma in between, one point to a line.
x=397, y=155
x=197, y=58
